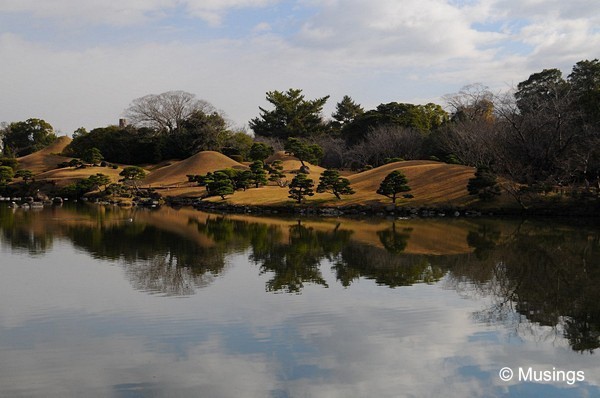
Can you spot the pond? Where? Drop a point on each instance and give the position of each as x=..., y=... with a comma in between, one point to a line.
x=110, y=302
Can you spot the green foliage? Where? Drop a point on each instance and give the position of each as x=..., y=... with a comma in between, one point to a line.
x=93, y=156
x=220, y=185
x=453, y=159
x=258, y=173
x=276, y=172
x=6, y=174
x=393, y=184
x=127, y=145
x=331, y=182
x=132, y=174
x=392, y=160
x=585, y=84
x=293, y=116
x=346, y=111
x=100, y=180
x=243, y=180
x=24, y=174
x=305, y=152
x=81, y=187
x=300, y=187
x=484, y=184
x=260, y=151
x=9, y=161
x=23, y=138
x=540, y=90
x=424, y=118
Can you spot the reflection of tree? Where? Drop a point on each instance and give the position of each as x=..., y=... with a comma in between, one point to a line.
x=162, y=274
x=549, y=277
x=156, y=260
x=394, y=241
x=15, y=230
x=484, y=239
x=386, y=268
x=297, y=261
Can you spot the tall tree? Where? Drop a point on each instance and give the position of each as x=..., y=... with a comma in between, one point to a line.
x=165, y=111
x=23, y=138
x=585, y=84
x=541, y=90
x=345, y=112
x=292, y=116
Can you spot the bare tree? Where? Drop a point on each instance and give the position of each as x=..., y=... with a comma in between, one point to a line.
x=473, y=141
x=166, y=111
x=472, y=102
x=387, y=141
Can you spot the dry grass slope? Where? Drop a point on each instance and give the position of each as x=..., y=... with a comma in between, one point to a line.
x=200, y=163
x=68, y=175
x=430, y=182
x=47, y=158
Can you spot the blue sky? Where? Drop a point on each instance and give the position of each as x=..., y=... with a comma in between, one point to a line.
x=81, y=62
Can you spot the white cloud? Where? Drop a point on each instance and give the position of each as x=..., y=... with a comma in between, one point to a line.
x=125, y=12
x=383, y=50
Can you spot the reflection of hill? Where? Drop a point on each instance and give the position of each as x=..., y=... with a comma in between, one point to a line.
x=543, y=273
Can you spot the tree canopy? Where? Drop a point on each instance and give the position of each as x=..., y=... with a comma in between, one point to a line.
x=304, y=151
x=292, y=116
x=166, y=111
x=393, y=184
x=23, y=138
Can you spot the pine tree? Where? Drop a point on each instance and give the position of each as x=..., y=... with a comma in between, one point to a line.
x=259, y=174
x=484, y=184
x=276, y=172
x=221, y=185
x=331, y=182
x=300, y=187
x=393, y=184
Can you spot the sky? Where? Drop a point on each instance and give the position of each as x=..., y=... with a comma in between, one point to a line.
x=80, y=63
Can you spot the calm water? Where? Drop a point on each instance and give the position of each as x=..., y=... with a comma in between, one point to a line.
x=134, y=303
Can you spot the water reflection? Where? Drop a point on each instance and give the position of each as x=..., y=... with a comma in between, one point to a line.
x=534, y=273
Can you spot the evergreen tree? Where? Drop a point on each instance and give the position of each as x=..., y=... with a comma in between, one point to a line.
x=259, y=174
x=133, y=174
x=304, y=151
x=393, y=184
x=331, y=182
x=93, y=156
x=300, y=187
x=260, y=151
x=484, y=184
x=276, y=172
x=221, y=185
x=293, y=116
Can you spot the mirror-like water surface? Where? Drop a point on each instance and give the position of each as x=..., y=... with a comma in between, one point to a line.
x=128, y=303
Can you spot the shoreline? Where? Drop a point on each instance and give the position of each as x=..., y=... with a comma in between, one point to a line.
x=592, y=210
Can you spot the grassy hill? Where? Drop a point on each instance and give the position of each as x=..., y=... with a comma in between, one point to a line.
x=47, y=158
x=432, y=183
